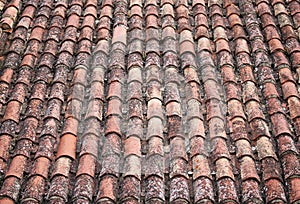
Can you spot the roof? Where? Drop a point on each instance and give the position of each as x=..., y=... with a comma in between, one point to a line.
x=186, y=101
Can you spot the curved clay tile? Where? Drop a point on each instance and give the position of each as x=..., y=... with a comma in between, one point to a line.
x=132, y=101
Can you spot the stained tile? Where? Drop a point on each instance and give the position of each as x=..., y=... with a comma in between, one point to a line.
x=189, y=95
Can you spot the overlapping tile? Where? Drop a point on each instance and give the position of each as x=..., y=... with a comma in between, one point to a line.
x=149, y=101
x=214, y=105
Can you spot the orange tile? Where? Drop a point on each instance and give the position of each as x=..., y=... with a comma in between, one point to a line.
x=67, y=146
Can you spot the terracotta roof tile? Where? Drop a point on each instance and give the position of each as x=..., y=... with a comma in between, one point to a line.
x=103, y=103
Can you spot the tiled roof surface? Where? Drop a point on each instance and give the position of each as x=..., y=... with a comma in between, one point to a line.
x=171, y=101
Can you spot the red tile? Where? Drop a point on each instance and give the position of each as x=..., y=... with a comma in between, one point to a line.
x=275, y=45
x=232, y=9
x=201, y=20
x=132, y=146
x=179, y=189
x=84, y=46
x=58, y=189
x=163, y=2
x=154, y=90
x=177, y=145
x=274, y=106
x=130, y=190
x=243, y=148
x=201, y=31
x=294, y=190
x=87, y=165
x=49, y=128
x=184, y=24
x=41, y=167
x=199, y=9
x=217, y=128
x=135, y=128
x=224, y=169
x=135, y=2
x=198, y=2
x=67, y=146
x=196, y=128
x=280, y=59
x=17, y=167
x=187, y=46
x=222, y=45
x=265, y=148
x=151, y=22
x=113, y=125
x=5, y=200
x=263, y=8
x=5, y=145
x=109, y=167
x=155, y=146
x=135, y=108
x=89, y=145
x=11, y=188
x=248, y=169
x=153, y=46
x=243, y=59
x=287, y=32
x=191, y=75
x=172, y=93
x=274, y=190
x=275, y=2
x=251, y=191
x=173, y=109
x=284, y=20
x=6, y=75
x=168, y=32
x=12, y=111
x=292, y=45
x=219, y=149
x=235, y=109
x=295, y=60
x=154, y=109
x=290, y=165
x=114, y=90
x=241, y=46
x=114, y=107
x=280, y=124
x=250, y=92
x=289, y=89
x=135, y=91
x=155, y=189
x=294, y=7
x=17, y=46
x=218, y=20
x=103, y=34
x=70, y=127
x=234, y=20
x=35, y=189
x=182, y=11
x=267, y=20
x=233, y=91
x=203, y=188
x=151, y=10
x=259, y=128
x=119, y=35
x=175, y=127
x=211, y=94
x=294, y=104
x=84, y=189
x=227, y=190
x=106, y=11
x=87, y=27
x=220, y=33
